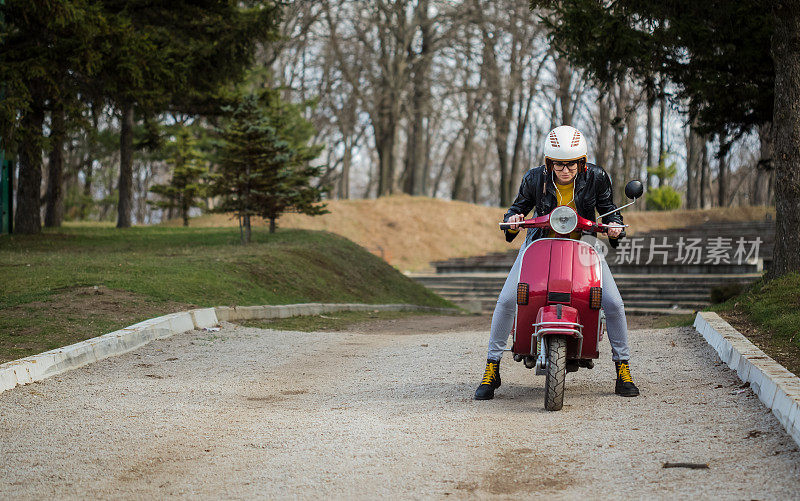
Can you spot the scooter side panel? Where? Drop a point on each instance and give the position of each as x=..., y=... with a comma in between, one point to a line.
x=586, y=273
x=534, y=271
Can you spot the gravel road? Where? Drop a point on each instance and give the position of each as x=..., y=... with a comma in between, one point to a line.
x=244, y=413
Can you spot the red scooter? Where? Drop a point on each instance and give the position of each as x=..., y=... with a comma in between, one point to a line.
x=559, y=323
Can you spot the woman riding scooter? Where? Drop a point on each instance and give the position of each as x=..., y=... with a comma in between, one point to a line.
x=566, y=178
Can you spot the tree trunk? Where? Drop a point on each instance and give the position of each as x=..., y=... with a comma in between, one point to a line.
x=246, y=229
x=501, y=102
x=616, y=168
x=54, y=197
x=426, y=164
x=415, y=183
x=437, y=181
x=502, y=156
x=628, y=148
x=347, y=160
x=272, y=224
x=87, y=186
x=185, y=210
x=759, y=195
x=564, y=91
x=91, y=144
x=73, y=164
x=786, y=124
x=27, y=219
x=604, y=117
x=662, y=134
x=141, y=184
x=458, y=192
x=384, y=143
x=691, y=155
x=693, y=168
x=705, y=178
x=125, y=204
x=372, y=174
x=523, y=118
x=477, y=175
x=651, y=100
x=722, y=177
x=385, y=123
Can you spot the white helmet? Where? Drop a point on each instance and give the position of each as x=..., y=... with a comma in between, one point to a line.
x=564, y=143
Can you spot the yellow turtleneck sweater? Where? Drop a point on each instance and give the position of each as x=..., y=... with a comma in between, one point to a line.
x=565, y=195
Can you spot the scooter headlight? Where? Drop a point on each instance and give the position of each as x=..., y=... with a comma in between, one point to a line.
x=563, y=220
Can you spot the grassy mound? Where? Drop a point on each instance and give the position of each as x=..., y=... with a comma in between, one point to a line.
x=769, y=315
x=82, y=281
x=410, y=232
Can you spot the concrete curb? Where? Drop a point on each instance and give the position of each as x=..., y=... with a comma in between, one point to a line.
x=775, y=386
x=44, y=365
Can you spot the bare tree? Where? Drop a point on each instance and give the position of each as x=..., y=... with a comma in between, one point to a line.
x=445, y=98
x=694, y=164
x=509, y=59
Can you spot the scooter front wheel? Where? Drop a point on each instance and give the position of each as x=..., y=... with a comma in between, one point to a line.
x=556, y=373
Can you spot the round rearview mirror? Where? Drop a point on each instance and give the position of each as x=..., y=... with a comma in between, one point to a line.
x=634, y=189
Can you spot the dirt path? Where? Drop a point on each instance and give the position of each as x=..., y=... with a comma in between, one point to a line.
x=246, y=412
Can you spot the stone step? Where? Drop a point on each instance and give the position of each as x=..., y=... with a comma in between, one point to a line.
x=765, y=230
x=627, y=295
x=486, y=306
x=634, y=288
x=640, y=269
x=639, y=283
x=657, y=288
x=726, y=277
x=489, y=277
x=641, y=293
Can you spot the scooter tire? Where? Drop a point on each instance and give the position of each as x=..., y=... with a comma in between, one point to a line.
x=556, y=373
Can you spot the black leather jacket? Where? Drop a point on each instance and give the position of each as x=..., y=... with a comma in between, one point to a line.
x=592, y=191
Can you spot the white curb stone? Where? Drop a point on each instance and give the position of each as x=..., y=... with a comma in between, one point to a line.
x=37, y=367
x=775, y=386
x=206, y=317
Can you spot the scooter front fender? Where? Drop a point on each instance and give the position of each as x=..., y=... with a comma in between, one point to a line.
x=559, y=320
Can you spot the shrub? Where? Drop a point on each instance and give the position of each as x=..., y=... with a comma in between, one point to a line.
x=663, y=198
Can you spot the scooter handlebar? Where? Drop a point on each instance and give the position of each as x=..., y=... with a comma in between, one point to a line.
x=530, y=223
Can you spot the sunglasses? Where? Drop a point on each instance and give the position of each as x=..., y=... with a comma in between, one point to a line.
x=562, y=166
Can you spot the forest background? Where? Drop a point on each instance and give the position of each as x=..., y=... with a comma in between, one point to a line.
x=445, y=99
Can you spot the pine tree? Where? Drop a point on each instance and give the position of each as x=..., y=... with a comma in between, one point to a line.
x=716, y=52
x=185, y=190
x=143, y=57
x=737, y=64
x=172, y=55
x=46, y=49
x=294, y=191
x=664, y=197
x=263, y=172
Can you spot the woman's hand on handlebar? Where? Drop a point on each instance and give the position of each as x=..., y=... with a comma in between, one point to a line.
x=614, y=232
x=516, y=218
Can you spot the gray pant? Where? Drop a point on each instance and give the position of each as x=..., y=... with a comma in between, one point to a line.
x=503, y=317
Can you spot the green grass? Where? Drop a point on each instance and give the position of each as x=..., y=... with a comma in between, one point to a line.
x=337, y=321
x=769, y=314
x=44, y=278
